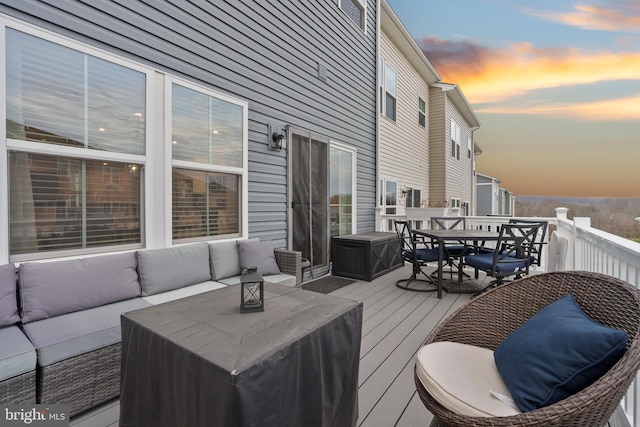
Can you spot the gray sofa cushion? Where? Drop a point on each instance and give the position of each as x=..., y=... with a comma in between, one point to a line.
x=8, y=298
x=53, y=288
x=224, y=258
x=17, y=354
x=166, y=269
x=77, y=333
x=187, y=291
x=258, y=254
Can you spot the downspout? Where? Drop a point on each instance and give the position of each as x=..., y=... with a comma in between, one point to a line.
x=377, y=209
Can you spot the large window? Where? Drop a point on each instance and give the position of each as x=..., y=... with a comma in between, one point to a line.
x=86, y=193
x=356, y=10
x=208, y=155
x=88, y=169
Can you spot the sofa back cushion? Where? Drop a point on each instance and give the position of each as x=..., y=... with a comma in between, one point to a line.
x=50, y=289
x=167, y=269
x=225, y=258
x=8, y=298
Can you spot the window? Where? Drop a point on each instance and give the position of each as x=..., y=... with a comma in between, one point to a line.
x=389, y=90
x=413, y=197
x=342, y=189
x=469, y=146
x=455, y=140
x=88, y=194
x=207, y=140
x=422, y=115
x=455, y=203
x=356, y=10
x=81, y=163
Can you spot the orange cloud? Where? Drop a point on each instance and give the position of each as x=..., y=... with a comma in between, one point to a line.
x=621, y=16
x=606, y=110
x=487, y=75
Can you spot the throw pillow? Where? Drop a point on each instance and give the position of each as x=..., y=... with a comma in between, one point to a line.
x=258, y=254
x=556, y=353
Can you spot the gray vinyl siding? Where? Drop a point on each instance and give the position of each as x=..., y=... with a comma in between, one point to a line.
x=267, y=53
x=439, y=145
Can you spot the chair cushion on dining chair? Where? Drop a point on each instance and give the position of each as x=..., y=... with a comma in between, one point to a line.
x=425, y=255
x=461, y=378
x=557, y=353
x=484, y=261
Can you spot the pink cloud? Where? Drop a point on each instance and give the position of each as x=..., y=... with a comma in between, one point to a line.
x=610, y=16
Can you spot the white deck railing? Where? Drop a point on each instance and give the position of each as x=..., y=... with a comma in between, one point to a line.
x=589, y=249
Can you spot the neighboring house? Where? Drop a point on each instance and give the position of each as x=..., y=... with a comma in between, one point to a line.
x=452, y=149
x=404, y=78
x=150, y=124
x=493, y=199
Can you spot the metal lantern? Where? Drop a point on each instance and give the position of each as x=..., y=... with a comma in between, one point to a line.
x=252, y=291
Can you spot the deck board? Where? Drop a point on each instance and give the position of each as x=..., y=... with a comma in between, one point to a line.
x=395, y=324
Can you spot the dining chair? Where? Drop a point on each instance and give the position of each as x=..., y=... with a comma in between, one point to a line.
x=512, y=256
x=417, y=251
x=453, y=252
x=539, y=242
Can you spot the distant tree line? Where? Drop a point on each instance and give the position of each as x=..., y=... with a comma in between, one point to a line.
x=615, y=216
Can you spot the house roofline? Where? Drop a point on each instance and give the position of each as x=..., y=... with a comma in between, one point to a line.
x=460, y=101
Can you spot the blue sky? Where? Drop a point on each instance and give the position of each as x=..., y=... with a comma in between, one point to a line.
x=555, y=84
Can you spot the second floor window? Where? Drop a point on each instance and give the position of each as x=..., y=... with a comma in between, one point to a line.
x=455, y=140
x=389, y=91
x=356, y=10
x=422, y=112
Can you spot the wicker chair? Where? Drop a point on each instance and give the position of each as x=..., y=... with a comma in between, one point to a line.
x=489, y=318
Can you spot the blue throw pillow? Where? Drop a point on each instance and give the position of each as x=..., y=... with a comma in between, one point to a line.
x=556, y=353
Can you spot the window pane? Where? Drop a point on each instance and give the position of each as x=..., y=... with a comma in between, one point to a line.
x=59, y=203
x=206, y=129
x=205, y=204
x=341, y=188
x=57, y=95
x=391, y=194
x=354, y=10
x=390, y=80
x=422, y=119
x=421, y=105
x=390, y=107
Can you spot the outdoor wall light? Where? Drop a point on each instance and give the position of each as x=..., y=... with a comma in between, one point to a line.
x=276, y=138
x=276, y=141
x=251, y=291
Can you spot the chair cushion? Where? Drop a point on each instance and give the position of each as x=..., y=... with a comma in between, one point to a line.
x=279, y=279
x=166, y=269
x=72, y=334
x=8, y=296
x=557, y=353
x=49, y=289
x=461, y=378
x=17, y=354
x=484, y=261
x=187, y=291
x=258, y=254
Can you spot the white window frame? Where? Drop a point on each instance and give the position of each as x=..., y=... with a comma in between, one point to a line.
x=469, y=146
x=455, y=139
x=170, y=163
x=363, y=5
x=384, y=90
x=354, y=180
x=156, y=181
x=422, y=114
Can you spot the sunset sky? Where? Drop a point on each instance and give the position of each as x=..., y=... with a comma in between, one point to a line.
x=555, y=84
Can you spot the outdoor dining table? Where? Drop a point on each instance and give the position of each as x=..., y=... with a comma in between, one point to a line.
x=198, y=361
x=442, y=237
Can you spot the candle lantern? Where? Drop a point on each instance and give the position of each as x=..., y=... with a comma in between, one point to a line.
x=252, y=291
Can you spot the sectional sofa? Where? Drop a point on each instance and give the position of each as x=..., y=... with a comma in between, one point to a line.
x=60, y=320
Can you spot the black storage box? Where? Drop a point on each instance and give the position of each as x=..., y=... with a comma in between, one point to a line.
x=365, y=256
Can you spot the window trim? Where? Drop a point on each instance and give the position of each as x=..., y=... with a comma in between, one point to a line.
x=354, y=179
x=456, y=130
x=421, y=113
x=156, y=202
x=383, y=91
x=169, y=163
x=362, y=3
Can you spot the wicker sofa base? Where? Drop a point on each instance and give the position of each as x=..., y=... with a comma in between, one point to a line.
x=18, y=390
x=83, y=381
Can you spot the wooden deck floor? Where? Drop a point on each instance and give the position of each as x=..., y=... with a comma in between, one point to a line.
x=395, y=324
